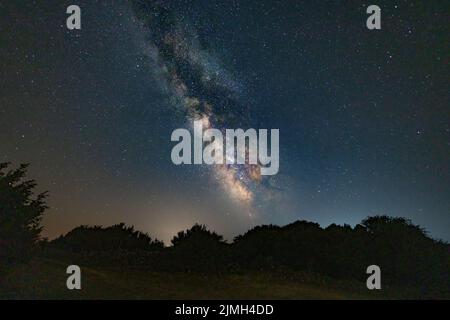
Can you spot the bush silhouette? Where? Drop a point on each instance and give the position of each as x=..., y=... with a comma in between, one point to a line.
x=405, y=253
x=115, y=245
x=198, y=249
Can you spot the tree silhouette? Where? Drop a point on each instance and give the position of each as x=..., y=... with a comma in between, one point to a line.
x=198, y=249
x=114, y=245
x=198, y=235
x=406, y=253
x=21, y=212
x=116, y=237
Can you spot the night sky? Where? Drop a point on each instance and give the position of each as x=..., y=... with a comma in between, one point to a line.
x=363, y=115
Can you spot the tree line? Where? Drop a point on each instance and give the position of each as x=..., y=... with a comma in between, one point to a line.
x=407, y=255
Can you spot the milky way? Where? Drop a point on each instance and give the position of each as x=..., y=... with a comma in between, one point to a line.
x=201, y=87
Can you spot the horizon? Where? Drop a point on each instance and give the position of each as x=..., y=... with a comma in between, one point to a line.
x=230, y=239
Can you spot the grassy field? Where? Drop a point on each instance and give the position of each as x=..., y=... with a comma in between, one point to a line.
x=46, y=279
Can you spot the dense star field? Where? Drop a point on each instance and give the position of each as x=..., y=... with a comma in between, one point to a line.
x=363, y=115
